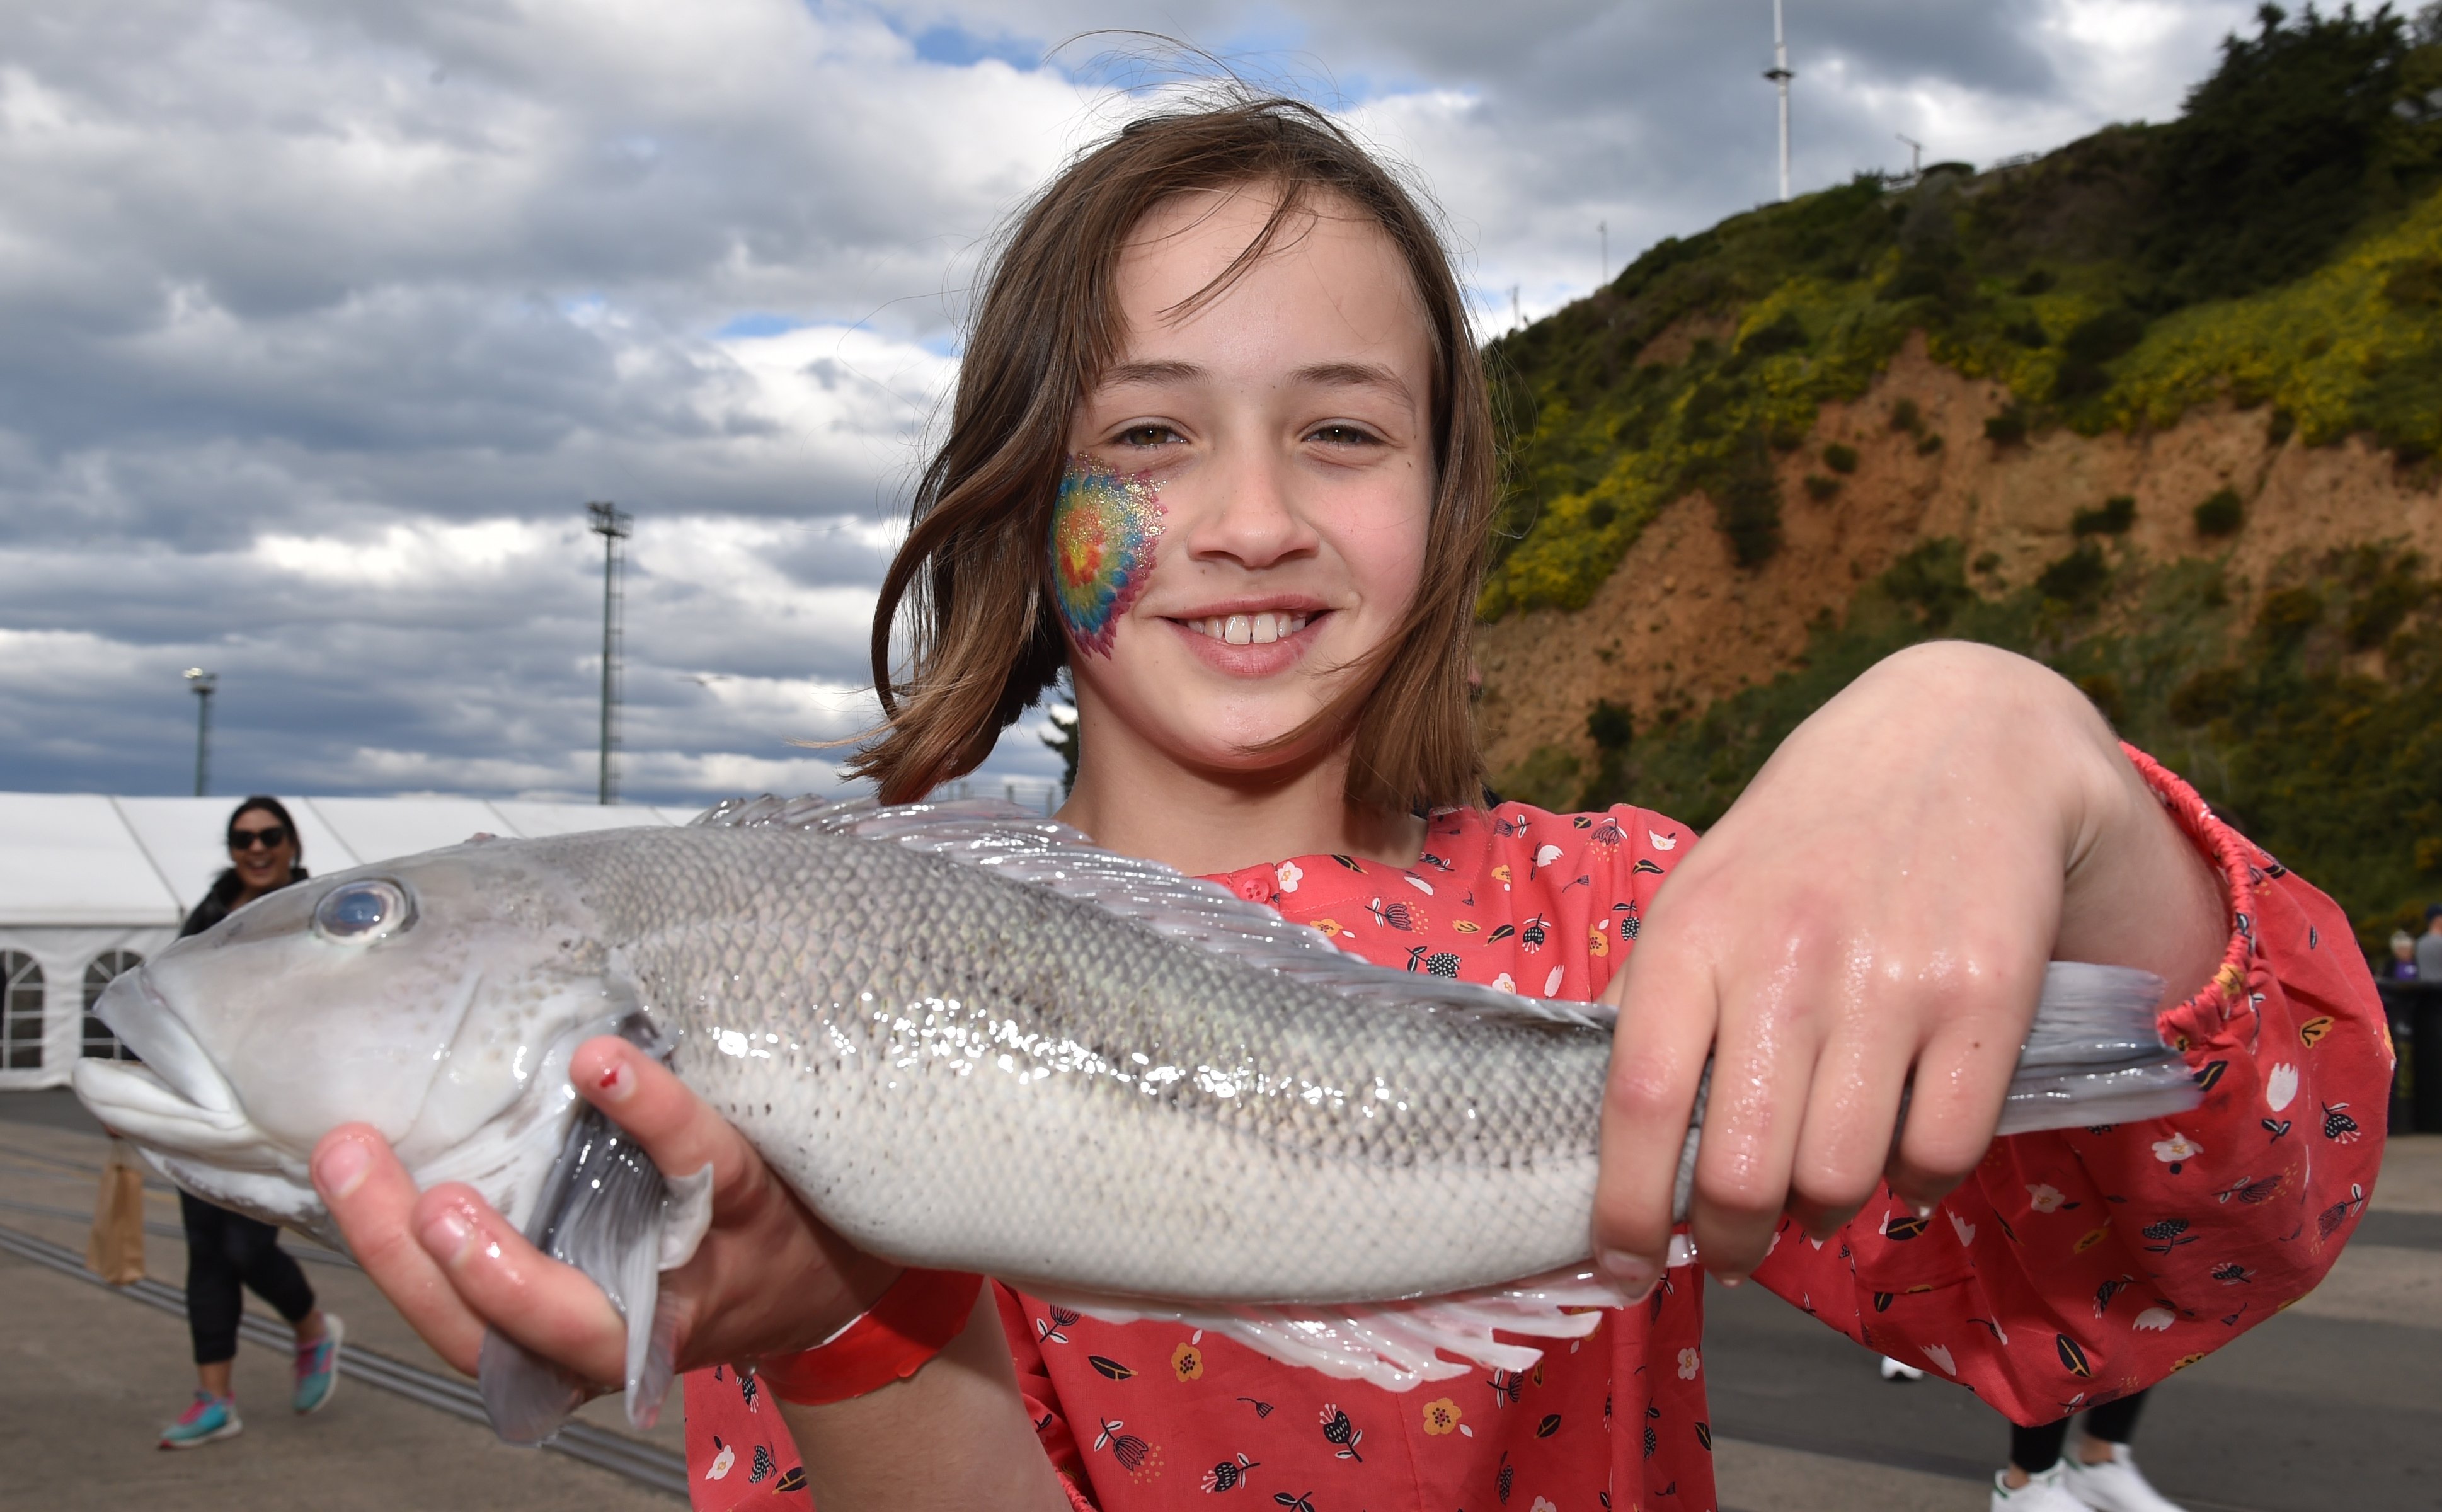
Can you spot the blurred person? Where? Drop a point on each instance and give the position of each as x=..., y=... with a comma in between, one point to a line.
x=2102, y=1476
x=2402, y=965
x=2429, y=946
x=228, y=1251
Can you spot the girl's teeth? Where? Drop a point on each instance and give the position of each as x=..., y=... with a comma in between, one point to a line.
x=1251, y=629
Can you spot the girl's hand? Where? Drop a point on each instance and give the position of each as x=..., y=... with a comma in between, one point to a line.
x=769, y=1278
x=1874, y=913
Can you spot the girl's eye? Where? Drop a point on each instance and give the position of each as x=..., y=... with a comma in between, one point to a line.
x=1343, y=435
x=1148, y=435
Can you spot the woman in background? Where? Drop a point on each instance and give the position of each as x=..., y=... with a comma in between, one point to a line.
x=227, y=1251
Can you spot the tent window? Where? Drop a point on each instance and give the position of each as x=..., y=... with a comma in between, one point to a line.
x=20, y=1012
x=99, y=1042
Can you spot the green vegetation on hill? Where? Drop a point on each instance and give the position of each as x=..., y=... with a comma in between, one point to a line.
x=2280, y=242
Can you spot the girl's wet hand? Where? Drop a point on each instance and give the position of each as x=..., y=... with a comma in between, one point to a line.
x=1871, y=918
x=767, y=1279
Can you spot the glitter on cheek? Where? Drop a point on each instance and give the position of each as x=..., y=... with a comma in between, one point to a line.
x=1103, y=529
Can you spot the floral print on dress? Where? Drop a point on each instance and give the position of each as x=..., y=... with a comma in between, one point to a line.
x=2069, y=1264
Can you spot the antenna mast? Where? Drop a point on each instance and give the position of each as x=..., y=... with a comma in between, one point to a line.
x=1778, y=73
x=613, y=525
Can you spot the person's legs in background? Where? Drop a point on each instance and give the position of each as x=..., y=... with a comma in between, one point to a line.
x=272, y=1274
x=2103, y=1473
x=212, y=1305
x=2032, y=1481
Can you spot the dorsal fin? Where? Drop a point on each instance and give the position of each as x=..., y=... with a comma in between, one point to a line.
x=1042, y=852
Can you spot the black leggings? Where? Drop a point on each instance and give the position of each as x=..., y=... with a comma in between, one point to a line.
x=224, y=1250
x=2038, y=1450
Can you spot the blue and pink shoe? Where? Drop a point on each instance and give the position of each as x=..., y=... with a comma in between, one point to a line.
x=318, y=1366
x=207, y=1418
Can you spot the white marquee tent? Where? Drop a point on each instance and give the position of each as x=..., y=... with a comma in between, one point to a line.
x=90, y=884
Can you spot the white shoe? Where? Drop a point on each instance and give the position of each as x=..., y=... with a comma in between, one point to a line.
x=2044, y=1492
x=1894, y=1371
x=2114, y=1486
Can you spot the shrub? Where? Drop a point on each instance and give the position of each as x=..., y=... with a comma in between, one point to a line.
x=2008, y=427
x=2204, y=696
x=2102, y=690
x=2220, y=513
x=2288, y=615
x=2111, y=517
x=2077, y=579
x=1608, y=726
x=2026, y=333
x=1819, y=487
x=1907, y=417
x=2101, y=338
x=1840, y=457
x=1928, y=444
x=2038, y=280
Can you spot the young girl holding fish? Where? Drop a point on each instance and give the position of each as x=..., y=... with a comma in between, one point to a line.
x=1222, y=448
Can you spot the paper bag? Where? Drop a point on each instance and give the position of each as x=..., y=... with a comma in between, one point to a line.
x=115, y=1251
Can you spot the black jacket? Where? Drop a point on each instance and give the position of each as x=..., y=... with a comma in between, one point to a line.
x=223, y=897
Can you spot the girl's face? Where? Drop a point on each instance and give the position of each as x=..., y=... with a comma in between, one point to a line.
x=1245, y=510
x=261, y=849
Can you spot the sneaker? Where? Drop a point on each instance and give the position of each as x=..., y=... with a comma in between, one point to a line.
x=318, y=1366
x=207, y=1418
x=1894, y=1371
x=2043, y=1492
x=2114, y=1486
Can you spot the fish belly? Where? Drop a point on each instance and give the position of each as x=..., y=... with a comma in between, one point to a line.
x=958, y=1072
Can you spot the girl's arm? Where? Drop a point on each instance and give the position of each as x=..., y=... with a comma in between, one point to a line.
x=1873, y=917
x=2081, y=1263
x=768, y=1278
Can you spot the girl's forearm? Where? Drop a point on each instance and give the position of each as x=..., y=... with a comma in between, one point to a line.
x=955, y=1436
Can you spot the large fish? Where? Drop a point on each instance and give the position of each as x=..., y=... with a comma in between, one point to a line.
x=969, y=1040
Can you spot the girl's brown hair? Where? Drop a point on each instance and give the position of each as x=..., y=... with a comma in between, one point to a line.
x=972, y=576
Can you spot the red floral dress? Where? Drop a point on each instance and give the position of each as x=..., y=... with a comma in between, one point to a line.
x=2071, y=1268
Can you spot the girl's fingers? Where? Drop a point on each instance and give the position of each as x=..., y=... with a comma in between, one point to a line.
x=1763, y=1061
x=1657, y=1057
x=371, y=1198
x=677, y=1128
x=551, y=1308
x=1844, y=1145
x=1961, y=1076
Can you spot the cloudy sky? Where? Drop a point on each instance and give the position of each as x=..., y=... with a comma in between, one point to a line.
x=320, y=323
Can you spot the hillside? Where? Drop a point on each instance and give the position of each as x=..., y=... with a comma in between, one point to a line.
x=2161, y=408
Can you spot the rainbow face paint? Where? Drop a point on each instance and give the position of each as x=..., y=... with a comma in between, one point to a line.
x=1103, y=526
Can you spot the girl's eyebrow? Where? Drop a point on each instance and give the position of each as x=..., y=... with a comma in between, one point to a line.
x=1325, y=374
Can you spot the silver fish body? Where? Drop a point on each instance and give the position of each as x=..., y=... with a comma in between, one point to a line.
x=968, y=1039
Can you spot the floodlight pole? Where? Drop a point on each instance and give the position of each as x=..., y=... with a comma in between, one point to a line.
x=1916, y=156
x=613, y=525
x=203, y=683
x=1778, y=73
x=1602, y=228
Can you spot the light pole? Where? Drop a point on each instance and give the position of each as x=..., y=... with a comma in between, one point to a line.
x=1778, y=73
x=203, y=682
x=613, y=525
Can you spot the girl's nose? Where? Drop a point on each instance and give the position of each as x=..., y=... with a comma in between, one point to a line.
x=1251, y=516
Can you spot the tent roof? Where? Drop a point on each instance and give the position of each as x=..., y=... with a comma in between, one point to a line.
x=83, y=858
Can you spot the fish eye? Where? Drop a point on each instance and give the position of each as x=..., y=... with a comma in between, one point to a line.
x=362, y=912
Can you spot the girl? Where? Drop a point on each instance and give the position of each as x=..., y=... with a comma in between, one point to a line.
x=1221, y=447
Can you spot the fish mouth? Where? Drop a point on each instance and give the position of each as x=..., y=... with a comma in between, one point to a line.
x=176, y=1100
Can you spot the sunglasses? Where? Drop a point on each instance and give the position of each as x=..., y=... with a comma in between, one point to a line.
x=268, y=839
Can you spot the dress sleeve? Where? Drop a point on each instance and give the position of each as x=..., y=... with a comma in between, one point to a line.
x=1042, y=1398
x=2079, y=1265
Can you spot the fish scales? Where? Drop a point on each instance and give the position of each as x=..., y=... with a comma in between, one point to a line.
x=952, y=1070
